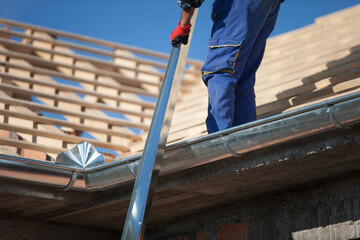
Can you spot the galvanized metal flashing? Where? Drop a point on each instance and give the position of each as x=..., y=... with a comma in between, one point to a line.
x=256, y=135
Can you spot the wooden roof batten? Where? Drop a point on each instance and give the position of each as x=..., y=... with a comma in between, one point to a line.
x=110, y=102
x=26, y=70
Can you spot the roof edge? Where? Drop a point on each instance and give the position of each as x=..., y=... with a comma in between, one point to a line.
x=325, y=116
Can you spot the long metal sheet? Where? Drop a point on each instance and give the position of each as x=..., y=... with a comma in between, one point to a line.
x=152, y=156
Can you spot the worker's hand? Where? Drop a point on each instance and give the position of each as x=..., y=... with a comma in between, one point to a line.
x=180, y=35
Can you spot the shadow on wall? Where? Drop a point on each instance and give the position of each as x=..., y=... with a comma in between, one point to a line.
x=332, y=211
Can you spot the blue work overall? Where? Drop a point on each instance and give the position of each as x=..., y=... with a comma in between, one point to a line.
x=236, y=48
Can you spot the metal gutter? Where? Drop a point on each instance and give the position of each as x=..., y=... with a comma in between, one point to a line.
x=40, y=172
x=336, y=113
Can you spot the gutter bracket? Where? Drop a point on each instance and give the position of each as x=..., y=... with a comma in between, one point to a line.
x=71, y=182
x=226, y=145
x=133, y=168
x=333, y=119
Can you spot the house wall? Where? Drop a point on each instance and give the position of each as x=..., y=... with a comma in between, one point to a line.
x=304, y=189
x=329, y=209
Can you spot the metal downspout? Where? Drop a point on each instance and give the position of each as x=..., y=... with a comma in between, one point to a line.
x=150, y=163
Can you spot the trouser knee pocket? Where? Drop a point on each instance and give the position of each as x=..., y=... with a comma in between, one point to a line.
x=221, y=56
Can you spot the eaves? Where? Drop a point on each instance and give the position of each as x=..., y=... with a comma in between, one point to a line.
x=337, y=113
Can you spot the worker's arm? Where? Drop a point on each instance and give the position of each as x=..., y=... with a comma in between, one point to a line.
x=186, y=16
x=180, y=35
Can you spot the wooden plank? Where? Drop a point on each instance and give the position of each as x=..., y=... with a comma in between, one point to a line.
x=36, y=147
x=84, y=39
x=342, y=15
x=335, y=43
x=56, y=74
x=97, y=125
x=346, y=86
x=85, y=75
x=31, y=124
x=33, y=146
x=199, y=100
x=280, y=40
x=74, y=89
x=282, y=105
x=51, y=64
x=342, y=66
x=285, y=67
x=8, y=151
x=298, y=90
x=194, y=131
x=297, y=43
x=43, y=62
x=184, y=126
x=88, y=49
x=41, y=107
x=58, y=122
x=324, y=92
x=274, y=107
x=192, y=115
x=339, y=67
x=88, y=122
x=301, y=34
x=63, y=137
x=80, y=103
x=321, y=100
x=331, y=50
x=29, y=49
x=90, y=40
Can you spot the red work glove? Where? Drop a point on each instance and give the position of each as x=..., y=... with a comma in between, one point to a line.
x=180, y=35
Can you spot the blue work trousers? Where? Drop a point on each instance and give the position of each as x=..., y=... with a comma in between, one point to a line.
x=236, y=48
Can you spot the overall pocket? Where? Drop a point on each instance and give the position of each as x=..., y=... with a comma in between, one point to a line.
x=221, y=56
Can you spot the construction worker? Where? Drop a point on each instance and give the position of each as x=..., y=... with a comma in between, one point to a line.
x=236, y=47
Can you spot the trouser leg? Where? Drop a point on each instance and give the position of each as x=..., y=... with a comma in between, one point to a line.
x=237, y=24
x=244, y=106
x=221, y=103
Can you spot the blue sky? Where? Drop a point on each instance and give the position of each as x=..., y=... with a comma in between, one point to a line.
x=148, y=24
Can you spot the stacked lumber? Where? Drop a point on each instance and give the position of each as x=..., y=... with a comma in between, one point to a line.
x=58, y=89
x=312, y=63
